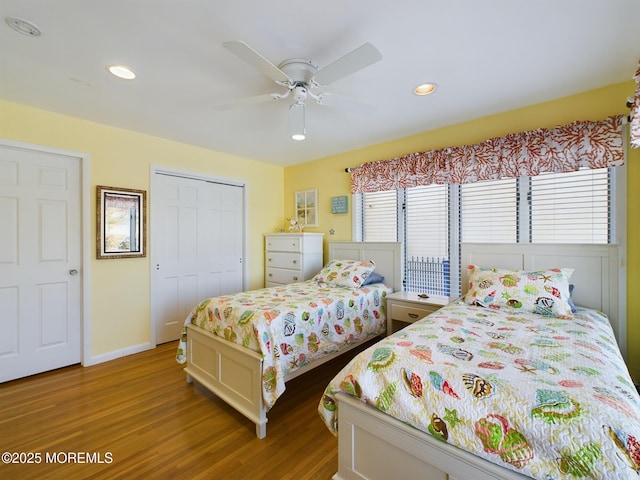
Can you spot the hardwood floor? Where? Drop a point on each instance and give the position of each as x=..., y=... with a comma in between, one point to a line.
x=139, y=418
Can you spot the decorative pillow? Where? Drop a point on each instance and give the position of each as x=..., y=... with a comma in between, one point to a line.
x=345, y=273
x=545, y=292
x=373, y=278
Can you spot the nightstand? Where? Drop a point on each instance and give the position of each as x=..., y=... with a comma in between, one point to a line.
x=408, y=307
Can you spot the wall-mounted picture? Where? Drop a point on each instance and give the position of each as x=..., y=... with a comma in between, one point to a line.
x=307, y=208
x=121, y=222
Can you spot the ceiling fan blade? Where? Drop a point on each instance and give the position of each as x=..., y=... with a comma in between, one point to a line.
x=253, y=58
x=344, y=103
x=252, y=100
x=358, y=59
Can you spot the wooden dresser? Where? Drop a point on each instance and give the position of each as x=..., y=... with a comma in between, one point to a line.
x=292, y=257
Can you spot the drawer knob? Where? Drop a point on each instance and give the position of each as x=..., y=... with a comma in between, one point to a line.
x=413, y=315
x=295, y=262
x=270, y=260
x=295, y=278
x=271, y=274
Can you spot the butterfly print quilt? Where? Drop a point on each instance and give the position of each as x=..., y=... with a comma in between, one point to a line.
x=550, y=398
x=291, y=325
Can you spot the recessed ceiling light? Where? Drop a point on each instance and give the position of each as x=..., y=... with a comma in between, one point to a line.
x=23, y=27
x=121, y=71
x=425, y=89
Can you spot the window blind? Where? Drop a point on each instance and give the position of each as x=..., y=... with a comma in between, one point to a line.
x=574, y=207
x=489, y=211
x=380, y=216
x=571, y=207
x=427, y=221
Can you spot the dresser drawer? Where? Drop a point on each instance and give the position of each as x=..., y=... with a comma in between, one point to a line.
x=284, y=260
x=284, y=244
x=281, y=275
x=409, y=314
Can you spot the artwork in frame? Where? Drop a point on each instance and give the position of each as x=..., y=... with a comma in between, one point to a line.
x=121, y=222
x=307, y=208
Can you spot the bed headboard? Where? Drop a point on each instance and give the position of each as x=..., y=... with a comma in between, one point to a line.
x=386, y=255
x=596, y=276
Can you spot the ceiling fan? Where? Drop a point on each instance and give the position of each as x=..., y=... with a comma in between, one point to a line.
x=300, y=77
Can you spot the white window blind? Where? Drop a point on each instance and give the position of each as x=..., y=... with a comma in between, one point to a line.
x=426, y=234
x=427, y=221
x=489, y=211
x=571, y=207
x=576, y=207
x=380, y=216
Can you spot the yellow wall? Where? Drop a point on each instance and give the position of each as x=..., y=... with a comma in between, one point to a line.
x=120, y=310
x=329, y=177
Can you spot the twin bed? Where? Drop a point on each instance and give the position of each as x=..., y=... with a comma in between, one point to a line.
x=489, y=387
x=245, y=347
x=483, y=389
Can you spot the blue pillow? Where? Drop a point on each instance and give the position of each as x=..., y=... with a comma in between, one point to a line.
x=373, y=278
x=570, y=301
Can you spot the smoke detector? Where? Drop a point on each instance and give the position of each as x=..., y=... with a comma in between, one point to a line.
x=24, y=27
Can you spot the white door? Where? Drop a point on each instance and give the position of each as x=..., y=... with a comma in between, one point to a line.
x=40, y=261
x=197, y=244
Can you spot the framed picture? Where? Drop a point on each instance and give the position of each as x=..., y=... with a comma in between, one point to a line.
x=307, y=208
x=121, y=222
x=340, y=204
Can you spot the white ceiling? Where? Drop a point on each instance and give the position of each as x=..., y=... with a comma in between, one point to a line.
x=486, y=56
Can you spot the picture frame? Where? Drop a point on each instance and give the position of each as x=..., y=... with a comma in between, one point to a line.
x=121, y=222
x=306, y=207
x=340, y=204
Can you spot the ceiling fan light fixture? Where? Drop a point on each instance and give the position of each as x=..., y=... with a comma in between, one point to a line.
x=297, y=129
x=425, y=89
x=121, y=71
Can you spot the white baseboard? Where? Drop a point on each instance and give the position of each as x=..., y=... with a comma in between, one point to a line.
x=105, y=357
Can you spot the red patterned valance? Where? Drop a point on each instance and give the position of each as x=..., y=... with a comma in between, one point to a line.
x=635, y=113
x=562, y=149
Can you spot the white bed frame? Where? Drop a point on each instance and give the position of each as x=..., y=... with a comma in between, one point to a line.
x=373, y=445
x=234, y=373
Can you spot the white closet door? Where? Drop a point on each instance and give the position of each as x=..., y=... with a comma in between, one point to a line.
x=196, y=246
x=40, y=261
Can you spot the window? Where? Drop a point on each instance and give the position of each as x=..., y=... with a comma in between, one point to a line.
x=489, y=211
x=571, y=207
x=379, y=216
x=433, y=220
x=426, y=239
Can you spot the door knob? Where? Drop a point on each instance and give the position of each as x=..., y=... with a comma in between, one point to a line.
x=73, y=271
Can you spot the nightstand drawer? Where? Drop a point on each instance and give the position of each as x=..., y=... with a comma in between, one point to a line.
x=281, y=275
x=284, y=260
x=410, y=314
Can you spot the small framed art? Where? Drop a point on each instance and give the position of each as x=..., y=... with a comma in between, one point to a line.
x=307, y=208
x=121, y=222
